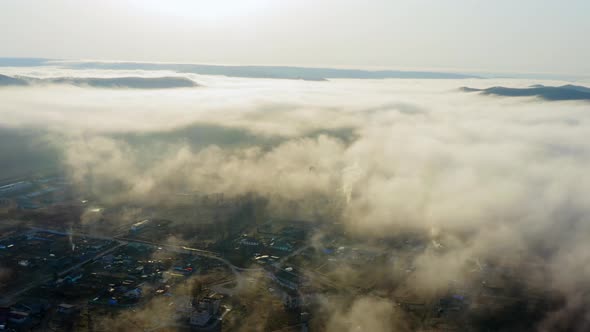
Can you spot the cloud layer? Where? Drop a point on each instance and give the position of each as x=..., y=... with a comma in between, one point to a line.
x=484, y=178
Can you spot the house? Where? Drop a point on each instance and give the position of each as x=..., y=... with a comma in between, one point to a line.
x=108, y=259
x=281, y=245
x=250, y=241
x=139, y=225
x=286, y=278
x=133, y=294
x=293, y=233
x=66, y=309
x=206, y=315
x=18, y=317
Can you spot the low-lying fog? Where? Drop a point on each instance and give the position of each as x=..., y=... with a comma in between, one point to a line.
x=485, y=176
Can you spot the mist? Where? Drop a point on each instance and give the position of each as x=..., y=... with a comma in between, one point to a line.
x=482, y=177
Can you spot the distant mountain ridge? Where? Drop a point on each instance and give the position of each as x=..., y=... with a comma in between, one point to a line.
x=276, y=72
x=312, y=74
x=11, y=81
x=100, y=82
x=553, y=93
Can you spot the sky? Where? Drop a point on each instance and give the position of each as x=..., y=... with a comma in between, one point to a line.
x=504, y=36
x=480, y=178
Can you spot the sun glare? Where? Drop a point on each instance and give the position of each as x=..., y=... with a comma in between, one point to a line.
x=200, y=9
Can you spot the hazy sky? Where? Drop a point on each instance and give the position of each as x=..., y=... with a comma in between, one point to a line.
x=498, y=36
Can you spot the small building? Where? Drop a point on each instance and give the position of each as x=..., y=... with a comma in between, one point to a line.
x=66, y=309
x=293, y=233
x=281, y=245
x=206, y=316
x=250, y=242
x=108, y=259
x=18, y=317
x=133, y=294
x=140, y=225
x=286, y=279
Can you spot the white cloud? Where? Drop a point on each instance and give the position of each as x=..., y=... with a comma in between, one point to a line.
x=485, y=176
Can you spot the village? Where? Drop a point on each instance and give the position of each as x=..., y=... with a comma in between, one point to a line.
x=82, y=276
